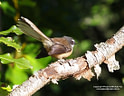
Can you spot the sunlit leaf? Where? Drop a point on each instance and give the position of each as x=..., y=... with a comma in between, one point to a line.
x=12, y=29
x=6, y=58
x=15, y=75
x=31, y=48
x=21, y=62
x=4, y=91
x=38, y=63
x=8, y=88
x=9, y=42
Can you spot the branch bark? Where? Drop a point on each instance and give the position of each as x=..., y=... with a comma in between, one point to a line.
x=78, y=67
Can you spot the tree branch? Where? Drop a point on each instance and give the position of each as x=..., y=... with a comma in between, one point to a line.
x=78, y=67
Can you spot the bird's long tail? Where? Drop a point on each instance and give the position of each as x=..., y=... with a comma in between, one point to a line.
x=30, y=29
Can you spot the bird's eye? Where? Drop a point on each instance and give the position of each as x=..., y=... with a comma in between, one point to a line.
x=72, y=42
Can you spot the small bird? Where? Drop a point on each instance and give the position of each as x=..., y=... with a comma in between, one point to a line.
x=58, y=47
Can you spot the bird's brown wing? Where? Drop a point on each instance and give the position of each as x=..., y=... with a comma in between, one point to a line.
x=57, y=49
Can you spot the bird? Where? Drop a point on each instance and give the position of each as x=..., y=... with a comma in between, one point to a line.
x=58, y=47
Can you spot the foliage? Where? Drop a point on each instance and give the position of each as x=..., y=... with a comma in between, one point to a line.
x=12, y=29
x=87, y=21
x=7, y=58
x=5, y=90
x=21, y=62
x=9, y=42
x=7, y=8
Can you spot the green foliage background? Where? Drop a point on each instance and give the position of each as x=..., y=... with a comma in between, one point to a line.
x=87, y=21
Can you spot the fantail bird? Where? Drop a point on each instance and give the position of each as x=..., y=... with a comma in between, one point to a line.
x=58, y=47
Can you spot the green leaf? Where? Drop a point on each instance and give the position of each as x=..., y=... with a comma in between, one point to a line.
x=6, y=58
x=5, y=90
x=21, y=62
x=12, y=29
x=8, y=88
x=31, y=48
x=48, y=32
x=8, y=9
x=9, y=42
x=85, y=45
x=38, y=63
x=28, y=3
x=15, y=75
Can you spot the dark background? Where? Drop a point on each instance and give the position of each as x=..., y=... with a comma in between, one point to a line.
x=87, y=21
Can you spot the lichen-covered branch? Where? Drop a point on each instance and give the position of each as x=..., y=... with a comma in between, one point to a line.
x=77, y=68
